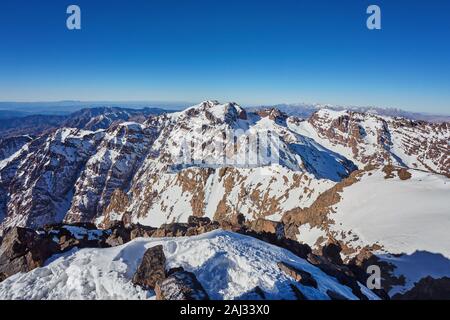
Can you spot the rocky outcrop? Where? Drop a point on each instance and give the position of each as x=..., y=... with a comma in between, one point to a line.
x=266, y=226
x=181, y=285
x=332, y=252
x=301, y=276
x=342, y=273
x=23, y=250
x=151, y=269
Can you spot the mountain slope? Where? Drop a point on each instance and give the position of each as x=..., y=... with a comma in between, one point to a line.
x=368, y=139
x=400, y=216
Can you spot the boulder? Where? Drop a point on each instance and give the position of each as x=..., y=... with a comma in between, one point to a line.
x=152, y=268
x=181, y=285
x=119, y=235
x=23, y=250
x=267, y=226
x=301, y=276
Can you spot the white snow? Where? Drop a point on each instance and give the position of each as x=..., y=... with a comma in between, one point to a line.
x=228, y=265
x=310, y=235
x=401, y=215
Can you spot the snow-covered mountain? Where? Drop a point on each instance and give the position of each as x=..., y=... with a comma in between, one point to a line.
x=342, y=177
x=305, y=110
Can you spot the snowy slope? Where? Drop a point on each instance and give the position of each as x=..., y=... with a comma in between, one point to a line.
x=409, y=220
x=401, y=215
x=228, y=265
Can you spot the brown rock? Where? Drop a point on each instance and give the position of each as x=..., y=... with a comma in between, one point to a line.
x=152, y=268
x=23, y=250
x=119, y=235
x=268, y=226
x=198, y=221
x=301, y=276
x=171, y=230
x=140, y=231
x=180, y=286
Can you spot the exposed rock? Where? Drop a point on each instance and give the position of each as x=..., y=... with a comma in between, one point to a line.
x=180, y=286
x=335, y=296
x=193, y=231
x=342, y=273
x=198, y=221
x=299, y=249
x=427, y=288
x=119, y=235
x=171, y=230
x=140, y=231
x=23, y=250
x=332, y=252
x=402, y=173
x=262, y=225
x=301, y=276
x=126, y=219
x=152, y=268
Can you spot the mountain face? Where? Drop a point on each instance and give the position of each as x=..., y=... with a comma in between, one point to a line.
x=226, y=163
x=89, y=119
x=368, y=139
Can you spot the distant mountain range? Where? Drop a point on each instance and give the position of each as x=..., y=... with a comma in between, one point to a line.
x=305, y=110
x=9, y=110
x=89, y=118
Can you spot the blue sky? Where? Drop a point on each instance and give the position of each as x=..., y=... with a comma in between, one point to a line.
x=252, y=52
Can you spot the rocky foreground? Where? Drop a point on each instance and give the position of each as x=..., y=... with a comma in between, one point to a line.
x=191, y=261
x=169, y=263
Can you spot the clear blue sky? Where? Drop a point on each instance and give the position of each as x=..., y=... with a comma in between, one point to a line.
x=252, y=52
